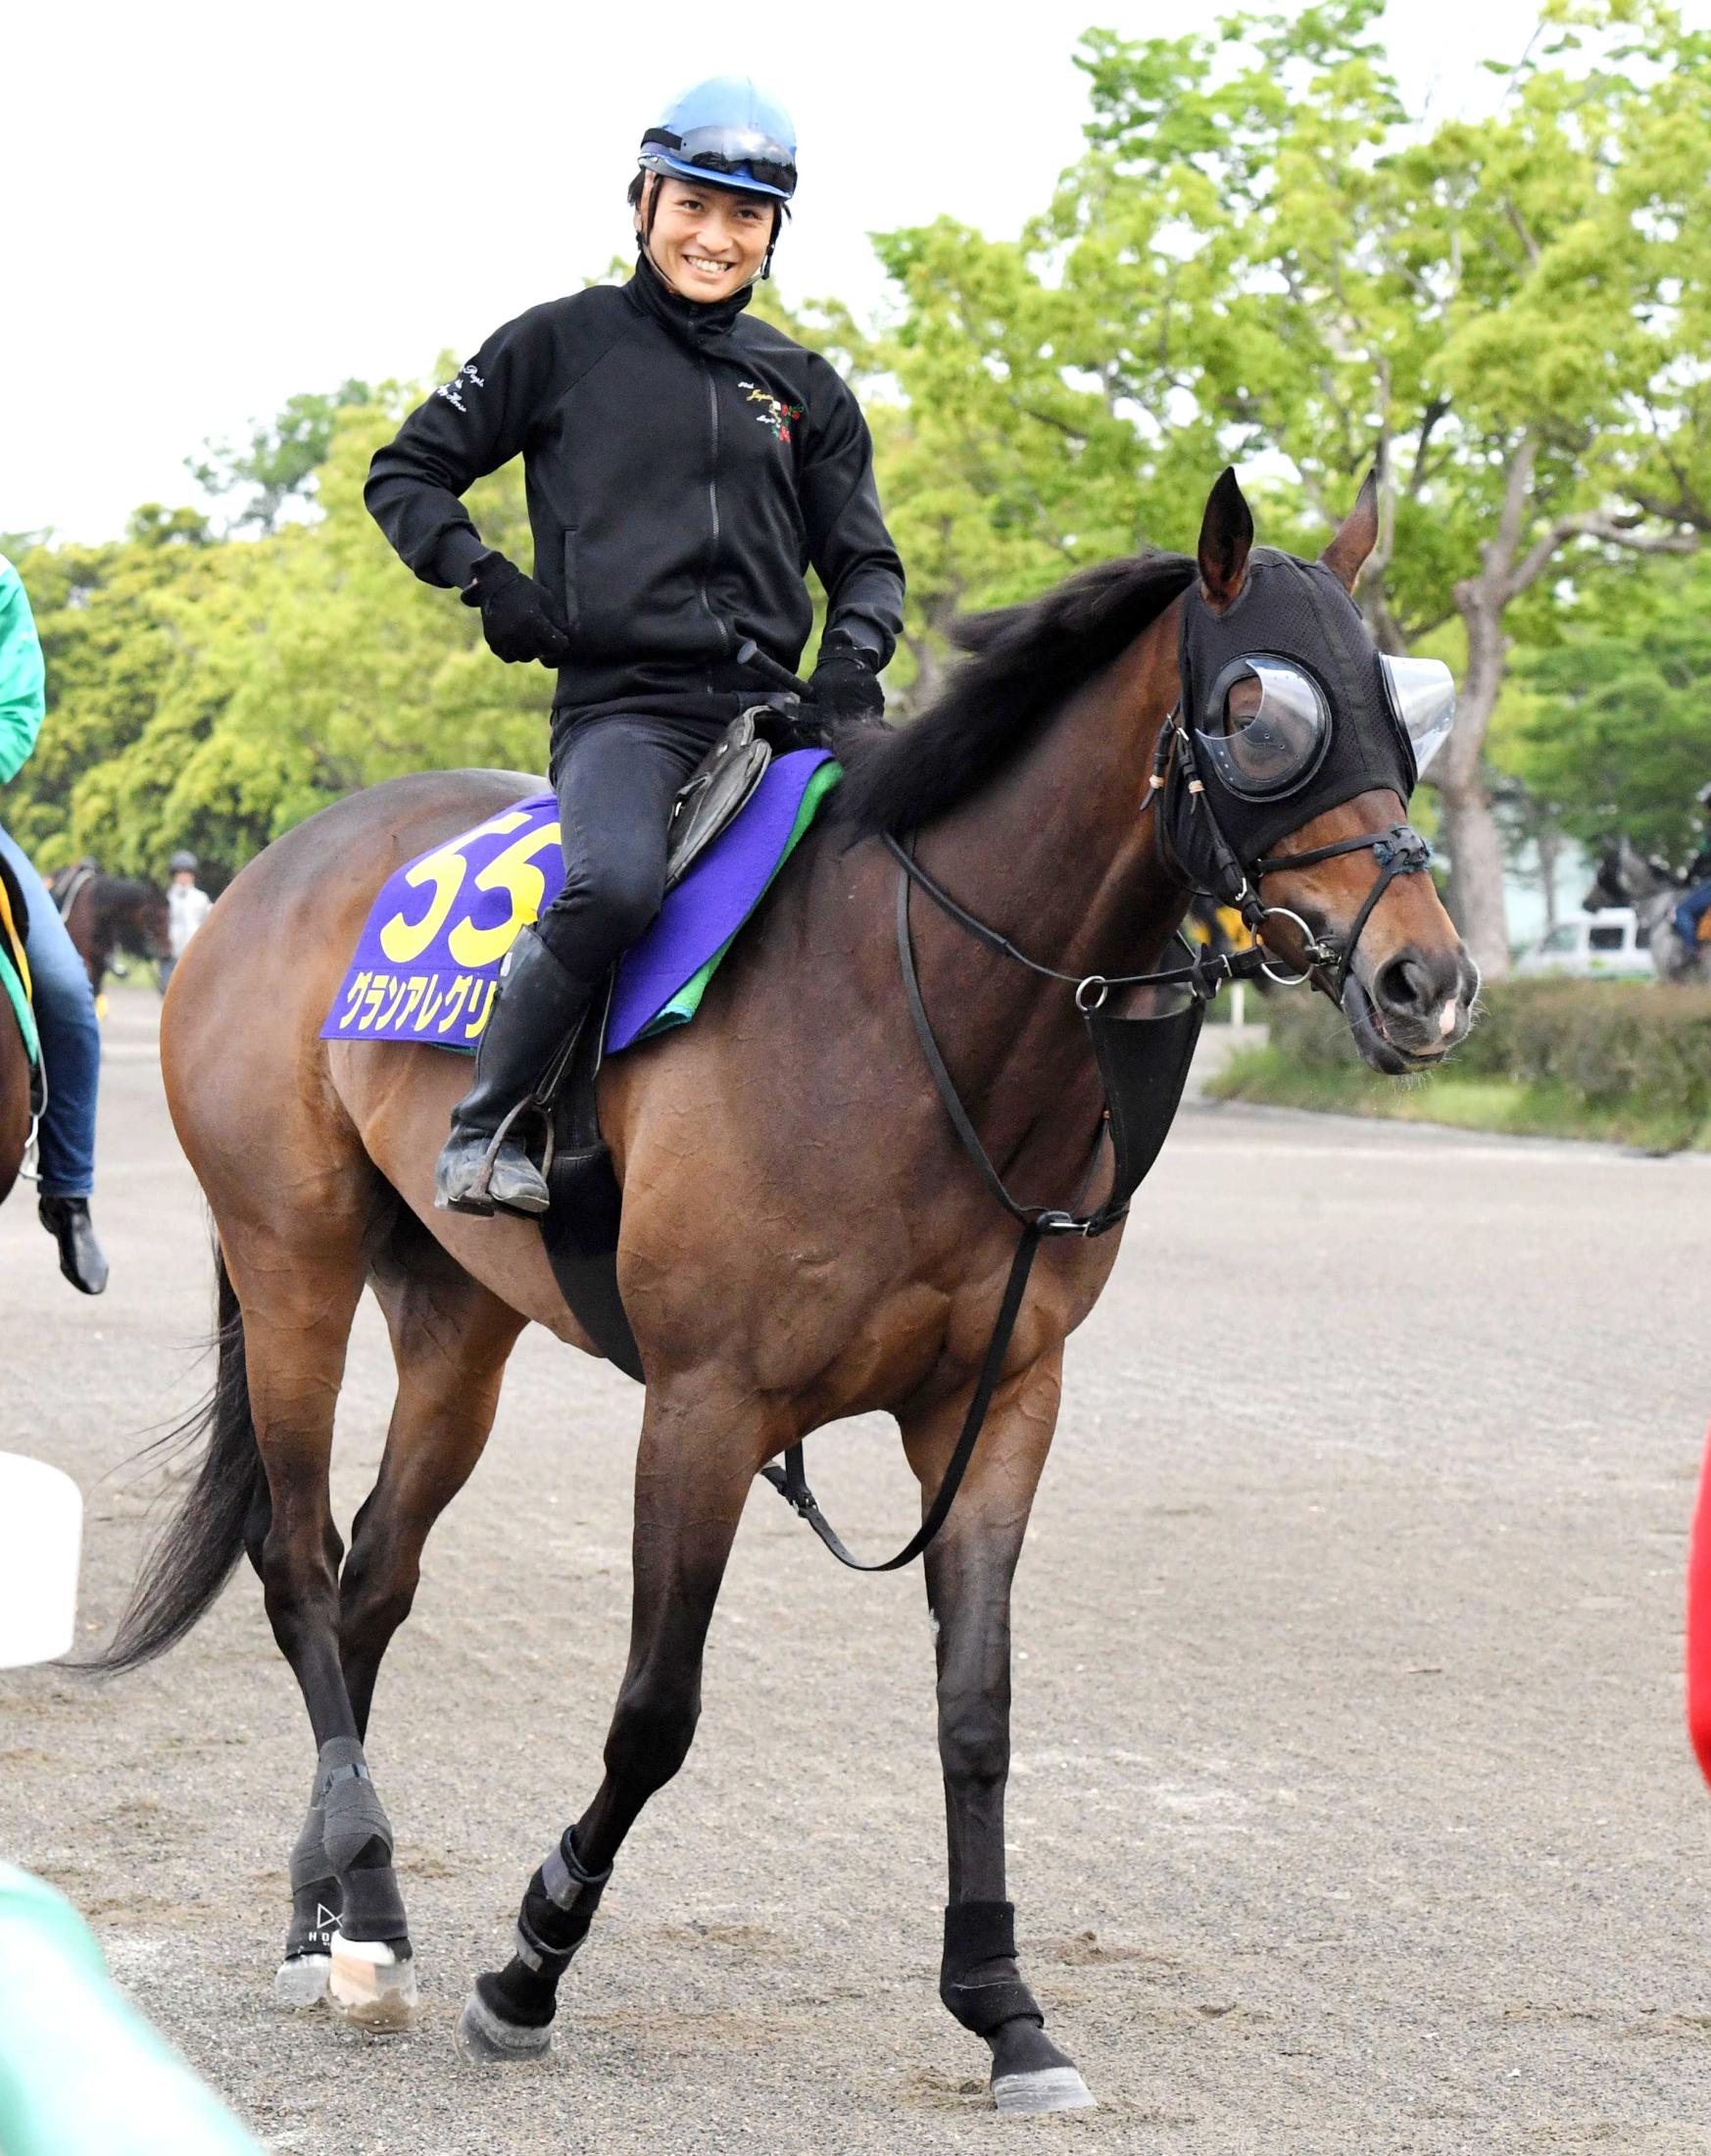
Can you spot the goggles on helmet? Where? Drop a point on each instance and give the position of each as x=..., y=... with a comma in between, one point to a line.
x=1421, y=694
x=732, y=153
x=1276, y=727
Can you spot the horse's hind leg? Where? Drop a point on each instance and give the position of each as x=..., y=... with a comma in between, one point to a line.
x=451, y=1338
x=968, y=1574
x=700, y=1448
x=299, y=1289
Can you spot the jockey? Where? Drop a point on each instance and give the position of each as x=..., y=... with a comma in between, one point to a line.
x=1697, y=902
x=64, y=1005
x=686, y=464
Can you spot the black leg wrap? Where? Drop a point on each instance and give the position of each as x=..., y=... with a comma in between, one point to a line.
x=315, y=1894
x=373, y=1908
x=978, y=1979
x=557, y=1908
x=316, y=1907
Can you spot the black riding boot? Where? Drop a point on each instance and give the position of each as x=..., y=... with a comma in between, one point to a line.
x=67, y=1220
x=539, y=1002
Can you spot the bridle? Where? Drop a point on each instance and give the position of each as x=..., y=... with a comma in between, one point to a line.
x=1398, y=850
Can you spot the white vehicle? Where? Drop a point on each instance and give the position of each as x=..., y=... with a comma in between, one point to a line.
x=1607, y=944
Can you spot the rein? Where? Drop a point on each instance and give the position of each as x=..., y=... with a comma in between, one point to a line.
x=1143, y=1087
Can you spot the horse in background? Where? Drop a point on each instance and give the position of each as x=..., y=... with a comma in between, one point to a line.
x=1627, y=877
x=106, y=916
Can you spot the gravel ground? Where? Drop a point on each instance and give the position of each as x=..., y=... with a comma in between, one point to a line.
x=1351, y=1809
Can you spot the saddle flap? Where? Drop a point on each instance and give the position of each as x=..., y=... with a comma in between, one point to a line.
x=715, y=795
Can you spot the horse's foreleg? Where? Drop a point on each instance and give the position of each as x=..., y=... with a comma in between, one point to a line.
x=968, y=1574
x=297, y=1302
x=693, y=1471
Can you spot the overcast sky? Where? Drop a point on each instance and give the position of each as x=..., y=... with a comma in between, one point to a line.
x=212, y=207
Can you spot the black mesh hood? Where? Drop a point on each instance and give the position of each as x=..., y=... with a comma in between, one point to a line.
x=1296, y=611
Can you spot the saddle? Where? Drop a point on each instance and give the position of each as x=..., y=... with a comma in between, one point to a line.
x=580, y=1228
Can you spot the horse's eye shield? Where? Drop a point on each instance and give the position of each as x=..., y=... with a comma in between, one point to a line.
x=1421, y=693
x=1269, y=721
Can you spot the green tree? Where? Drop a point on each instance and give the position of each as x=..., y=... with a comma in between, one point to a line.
x=1262, y=255
x=1616, y=733
x=279, y=462
x=110, y=620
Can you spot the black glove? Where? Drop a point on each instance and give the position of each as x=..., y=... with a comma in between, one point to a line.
x=845, y=686
x=517, y=615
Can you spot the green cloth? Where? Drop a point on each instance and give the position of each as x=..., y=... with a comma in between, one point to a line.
x=22, y=699
x=19, y=1003
x=81, y=2072
x=687, y=1001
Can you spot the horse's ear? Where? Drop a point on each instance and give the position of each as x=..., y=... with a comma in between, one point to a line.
x=1226, y=540
x=1357, y=536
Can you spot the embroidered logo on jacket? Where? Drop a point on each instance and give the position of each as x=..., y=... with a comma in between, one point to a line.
x=774, y=412
x=449, y=390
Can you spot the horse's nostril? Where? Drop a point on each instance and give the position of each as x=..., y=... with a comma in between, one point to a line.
x=1404, y=985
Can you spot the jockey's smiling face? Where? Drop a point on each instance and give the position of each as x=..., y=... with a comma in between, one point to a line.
x=706, y=242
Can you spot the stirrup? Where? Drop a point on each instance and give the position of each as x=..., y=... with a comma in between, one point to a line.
x=478, y=1199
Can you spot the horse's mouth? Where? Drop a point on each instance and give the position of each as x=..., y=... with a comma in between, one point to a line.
x=1378, y=1049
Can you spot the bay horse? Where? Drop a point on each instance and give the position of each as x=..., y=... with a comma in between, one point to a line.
x=107, y=915
x=791, y=1253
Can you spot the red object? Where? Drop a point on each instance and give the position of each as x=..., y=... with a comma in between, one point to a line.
x=1700, y=1622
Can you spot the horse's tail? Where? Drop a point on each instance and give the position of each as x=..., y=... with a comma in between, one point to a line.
x=227, y=1502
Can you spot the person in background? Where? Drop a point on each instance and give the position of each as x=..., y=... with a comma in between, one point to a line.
x=188, y=905
x=1697, y=903
x=65, y=1008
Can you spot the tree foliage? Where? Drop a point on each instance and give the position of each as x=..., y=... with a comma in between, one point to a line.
x=1615, y=736
x=278, y=464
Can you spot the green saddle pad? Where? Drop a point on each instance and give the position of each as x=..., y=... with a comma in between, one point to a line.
x=20, y=1004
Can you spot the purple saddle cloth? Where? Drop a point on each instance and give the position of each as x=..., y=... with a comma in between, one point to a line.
x=427, y=962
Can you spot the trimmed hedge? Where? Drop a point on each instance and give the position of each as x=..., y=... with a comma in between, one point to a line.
x=1630, y=1045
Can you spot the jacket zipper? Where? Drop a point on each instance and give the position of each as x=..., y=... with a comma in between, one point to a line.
x=712, y=500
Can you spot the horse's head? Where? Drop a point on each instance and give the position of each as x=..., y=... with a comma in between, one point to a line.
x=1609, y=885
x=150, y=924
x=1295, y=750
x=131, y=914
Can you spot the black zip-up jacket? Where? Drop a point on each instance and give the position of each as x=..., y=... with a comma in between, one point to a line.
x=684, y=464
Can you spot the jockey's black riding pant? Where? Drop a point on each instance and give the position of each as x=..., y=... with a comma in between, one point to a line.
x=617, y=777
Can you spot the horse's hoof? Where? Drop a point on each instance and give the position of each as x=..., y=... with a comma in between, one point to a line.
x=484, y=2039
x=301, y=1981
x=370, y=1987
x=1051, y=2088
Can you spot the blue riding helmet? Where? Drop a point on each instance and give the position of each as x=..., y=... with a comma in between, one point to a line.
x=727, y=131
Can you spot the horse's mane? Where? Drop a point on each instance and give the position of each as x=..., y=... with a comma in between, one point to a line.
x=1024, y=663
